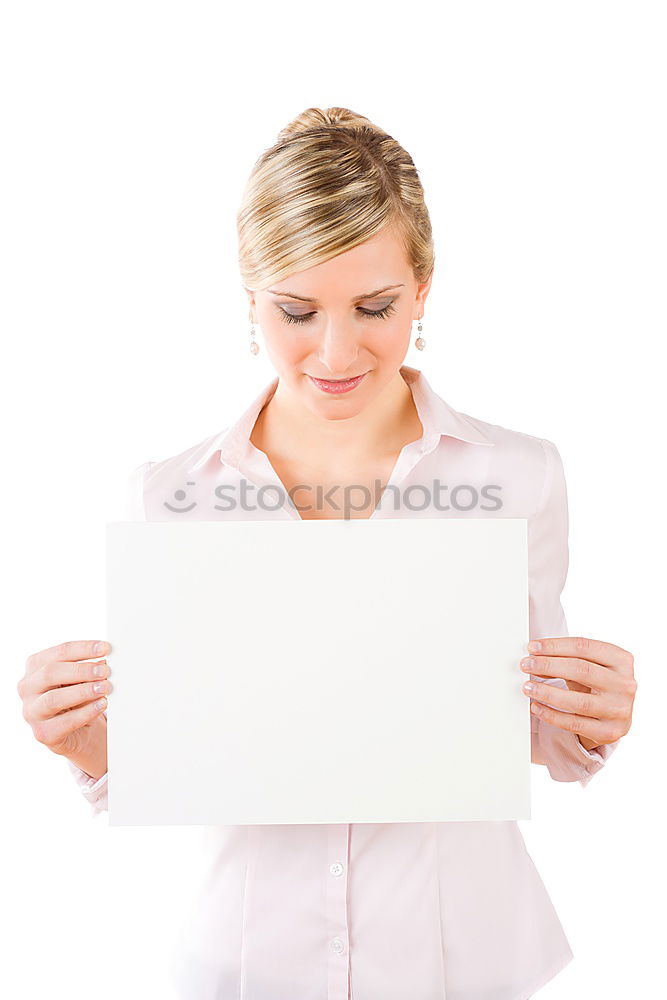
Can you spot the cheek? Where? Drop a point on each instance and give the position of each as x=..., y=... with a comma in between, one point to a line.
x=387, y=339
x=285, y=347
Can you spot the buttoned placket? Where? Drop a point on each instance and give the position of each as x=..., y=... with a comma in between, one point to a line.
x=338, y=944
x=338, y=835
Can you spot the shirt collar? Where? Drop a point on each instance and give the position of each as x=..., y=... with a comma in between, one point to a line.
x=437, y=418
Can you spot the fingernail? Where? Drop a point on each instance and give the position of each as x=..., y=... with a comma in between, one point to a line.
x=99, y=686
x=99, y=669
x=534, y=646
x=528, y=686
x=101, y=647
x=527, y=663
x=100, y=703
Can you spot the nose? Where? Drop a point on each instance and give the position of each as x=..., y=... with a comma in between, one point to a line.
x=338, y=351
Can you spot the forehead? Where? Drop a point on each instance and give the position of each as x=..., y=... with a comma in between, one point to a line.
x=376, y=263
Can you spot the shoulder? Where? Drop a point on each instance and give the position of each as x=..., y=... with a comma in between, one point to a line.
x=168, y=473
x=510, y=442
x=529, y=465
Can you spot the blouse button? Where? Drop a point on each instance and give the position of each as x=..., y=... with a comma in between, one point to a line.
x=338, y=945
x=336, y=868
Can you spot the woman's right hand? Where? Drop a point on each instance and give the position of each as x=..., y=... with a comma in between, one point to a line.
x=62, y=694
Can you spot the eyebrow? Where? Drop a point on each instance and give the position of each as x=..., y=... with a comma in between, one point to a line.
x=366, y=295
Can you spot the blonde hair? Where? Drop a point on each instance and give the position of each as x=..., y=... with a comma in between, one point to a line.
x=331, y=180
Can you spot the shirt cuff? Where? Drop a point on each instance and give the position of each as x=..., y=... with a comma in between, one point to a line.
x=598, y=755
x=94, y=790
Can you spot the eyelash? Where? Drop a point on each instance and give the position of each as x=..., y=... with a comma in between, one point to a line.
x=379, y=314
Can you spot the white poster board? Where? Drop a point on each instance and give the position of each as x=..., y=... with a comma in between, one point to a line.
x=335, y=671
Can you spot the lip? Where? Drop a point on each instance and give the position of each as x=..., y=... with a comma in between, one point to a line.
x=337, y=386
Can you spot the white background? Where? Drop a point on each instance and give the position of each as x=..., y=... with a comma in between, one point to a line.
x=128, y=130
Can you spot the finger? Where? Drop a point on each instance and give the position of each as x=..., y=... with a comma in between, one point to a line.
x=529, y=665
x=604, y=653
x=77, y=649
x=592, y=729
x=52, y=731
x=57, y=700
x=578, y=703
x=55, y=673
x=572, y=669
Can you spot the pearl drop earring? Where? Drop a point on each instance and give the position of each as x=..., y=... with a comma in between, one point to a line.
x=420, y=343
x=254, y=346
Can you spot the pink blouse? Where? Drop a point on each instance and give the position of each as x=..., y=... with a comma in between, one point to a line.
x=392, y=911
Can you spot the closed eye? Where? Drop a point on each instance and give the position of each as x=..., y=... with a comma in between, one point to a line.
x=371, y=314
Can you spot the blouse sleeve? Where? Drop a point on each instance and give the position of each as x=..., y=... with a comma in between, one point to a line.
x=548, y=559
x=95, y=791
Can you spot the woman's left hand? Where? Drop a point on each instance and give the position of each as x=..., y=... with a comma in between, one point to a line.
x=601, y=687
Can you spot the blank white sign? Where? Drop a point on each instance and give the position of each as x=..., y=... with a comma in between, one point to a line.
x=336, y=671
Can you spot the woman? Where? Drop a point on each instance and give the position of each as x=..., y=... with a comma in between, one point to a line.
x=337, y=259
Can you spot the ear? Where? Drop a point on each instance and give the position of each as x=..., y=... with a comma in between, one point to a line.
x=422, y=293
x=252, y=305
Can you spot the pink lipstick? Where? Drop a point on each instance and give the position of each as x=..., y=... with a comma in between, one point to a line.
x=341, y=385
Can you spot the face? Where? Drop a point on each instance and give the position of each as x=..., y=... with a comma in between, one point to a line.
x=350, y=316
